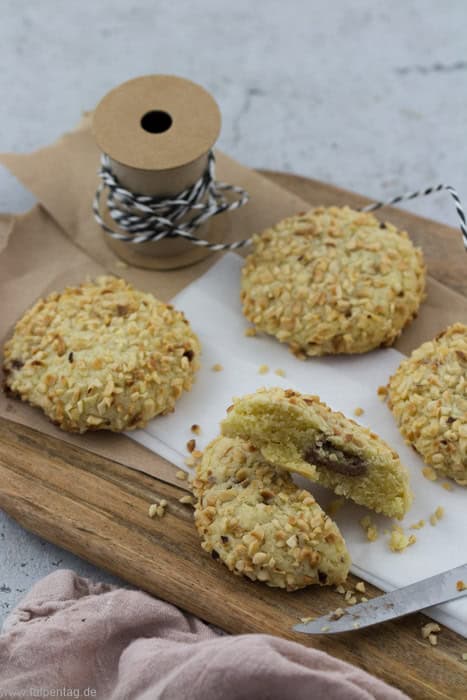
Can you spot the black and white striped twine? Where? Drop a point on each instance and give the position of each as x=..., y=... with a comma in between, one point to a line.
x=423, y=193
x=142, y=218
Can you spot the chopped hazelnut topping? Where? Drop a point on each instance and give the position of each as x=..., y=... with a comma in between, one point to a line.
x=181, y=475
x=360, y=587
x=464, y=656
x=433, y=639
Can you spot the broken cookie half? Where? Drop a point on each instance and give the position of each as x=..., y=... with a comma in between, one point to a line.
x=301, y=434
x=260, y=524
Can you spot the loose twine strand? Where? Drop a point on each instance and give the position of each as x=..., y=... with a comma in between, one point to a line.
x=142, y=218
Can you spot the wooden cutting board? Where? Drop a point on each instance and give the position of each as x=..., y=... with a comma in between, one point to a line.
x=98, y=509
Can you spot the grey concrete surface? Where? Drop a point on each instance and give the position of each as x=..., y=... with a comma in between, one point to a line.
x=366, y=94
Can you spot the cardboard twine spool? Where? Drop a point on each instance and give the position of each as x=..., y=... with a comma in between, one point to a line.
x=157, y=131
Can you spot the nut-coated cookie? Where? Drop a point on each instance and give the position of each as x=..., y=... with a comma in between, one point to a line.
x=252, y=517
x=332, y=280
x=101, y=356
x=428, y=397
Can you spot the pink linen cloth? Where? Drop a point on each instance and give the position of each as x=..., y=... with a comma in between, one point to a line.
x=71, y=637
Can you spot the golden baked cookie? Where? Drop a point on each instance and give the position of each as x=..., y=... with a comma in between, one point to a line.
x=332, y=281
x=101, y=356
x=252, y=517
x=428, y=397
x=301, y=434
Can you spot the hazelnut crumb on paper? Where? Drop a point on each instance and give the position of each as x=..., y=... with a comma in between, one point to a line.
x=250, y=332
x=280, y=372
x=263, y=369
x=461, y=586
x=196, y=429
x=436, y=516
x=359, y=411
x=370, y=528
x=191, y=444
x=418, y=526
x=217, y=367
x=360, y=587
x=429, y=473
x=399, y=541
x=447, y=486
x=382, y=392
x=181, y=475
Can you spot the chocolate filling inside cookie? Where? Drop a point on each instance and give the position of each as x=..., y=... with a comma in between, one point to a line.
x=324, y=454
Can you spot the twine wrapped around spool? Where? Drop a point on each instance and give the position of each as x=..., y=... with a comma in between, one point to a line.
x=156, y=134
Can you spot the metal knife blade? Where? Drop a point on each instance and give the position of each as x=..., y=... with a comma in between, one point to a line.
x=423, y=594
